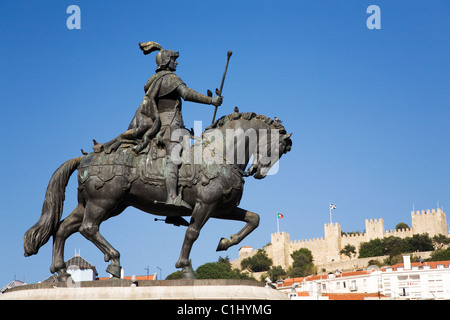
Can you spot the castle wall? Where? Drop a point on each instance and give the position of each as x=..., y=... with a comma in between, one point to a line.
x=433, y=222
x=279, y=250
x=326, y=250
x=317, y=246
x=374, y=229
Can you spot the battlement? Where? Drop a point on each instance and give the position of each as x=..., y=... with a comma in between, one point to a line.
x=428, y=211
x=380, y=220
x=401, y=233
x=353, y=235
x=432, y=221
x=280, y=236
x=331, y=224
x=306, y=241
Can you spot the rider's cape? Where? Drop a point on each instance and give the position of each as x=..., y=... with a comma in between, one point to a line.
x=160, y=84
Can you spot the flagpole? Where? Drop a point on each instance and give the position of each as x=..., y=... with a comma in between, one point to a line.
x=330, y=214
x=278, y=224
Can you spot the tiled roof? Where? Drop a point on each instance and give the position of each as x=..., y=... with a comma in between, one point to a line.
x=12, y=284
x=290, y=281
x=351, y=296
x=432, y=264
x=79, y=262
x=74, y=261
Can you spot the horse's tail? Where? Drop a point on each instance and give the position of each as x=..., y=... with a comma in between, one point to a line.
x=40, y=233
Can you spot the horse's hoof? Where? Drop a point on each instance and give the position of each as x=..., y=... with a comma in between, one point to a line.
x=188, y=273
x=223, y=244
x=63, y=277
x=114, y=270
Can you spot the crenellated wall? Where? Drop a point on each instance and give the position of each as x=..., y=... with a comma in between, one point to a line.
x=433, y=222
x=326, y=250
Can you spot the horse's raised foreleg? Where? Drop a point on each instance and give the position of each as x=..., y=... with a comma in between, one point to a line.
x=200, y=216
x=68, y=226
x=239, y=214
x=96, y=212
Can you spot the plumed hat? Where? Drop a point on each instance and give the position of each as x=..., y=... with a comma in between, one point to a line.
x=163, y=56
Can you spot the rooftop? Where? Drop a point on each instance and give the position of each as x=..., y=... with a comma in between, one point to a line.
x=12, y=284
x=397, y=267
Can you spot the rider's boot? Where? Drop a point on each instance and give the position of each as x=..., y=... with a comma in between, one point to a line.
x=171, y=177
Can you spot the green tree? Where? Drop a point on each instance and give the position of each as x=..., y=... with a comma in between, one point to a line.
x=372, y=248
x=174, y=275
x=394, y=246
x=302, y=264
x=349, y=250
x=439, y=241
x=419, y=242
x=214, y=270
x=440, y=255
x=393, y=259
x=401, y=225
x=375, y=262
x=219, y=270
x=274, y=273
x=258, y=262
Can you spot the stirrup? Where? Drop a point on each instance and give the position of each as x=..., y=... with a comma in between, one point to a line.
x=179, y=202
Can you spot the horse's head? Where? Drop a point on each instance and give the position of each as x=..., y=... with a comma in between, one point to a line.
x=247, y=135
x=269, y=153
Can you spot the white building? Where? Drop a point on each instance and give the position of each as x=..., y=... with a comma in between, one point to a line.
x=80, y=269
x=427, y=280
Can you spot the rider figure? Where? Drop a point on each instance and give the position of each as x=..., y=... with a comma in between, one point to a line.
x=159, y=115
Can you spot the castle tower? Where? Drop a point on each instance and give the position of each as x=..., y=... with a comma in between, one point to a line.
x=280, y=249
x=374, y=229
x=433, y=222
x=333, y=241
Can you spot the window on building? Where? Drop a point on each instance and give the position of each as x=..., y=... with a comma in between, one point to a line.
x=353, y=285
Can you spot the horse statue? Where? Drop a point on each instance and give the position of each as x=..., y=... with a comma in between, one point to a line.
x=212, y=185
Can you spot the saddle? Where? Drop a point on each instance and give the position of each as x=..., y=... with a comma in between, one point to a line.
x=149, y=166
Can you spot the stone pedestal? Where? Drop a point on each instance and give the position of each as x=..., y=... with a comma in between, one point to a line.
x=146, y=290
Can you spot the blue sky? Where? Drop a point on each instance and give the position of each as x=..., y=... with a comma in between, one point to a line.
x=369, y=111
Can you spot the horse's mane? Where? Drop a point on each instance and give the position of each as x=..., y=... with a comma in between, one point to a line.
x=246, y=116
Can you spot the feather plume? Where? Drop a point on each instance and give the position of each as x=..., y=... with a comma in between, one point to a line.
x=149, y=47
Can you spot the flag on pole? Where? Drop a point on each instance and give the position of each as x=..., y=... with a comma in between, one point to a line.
x=332, y=206
x=279, y=216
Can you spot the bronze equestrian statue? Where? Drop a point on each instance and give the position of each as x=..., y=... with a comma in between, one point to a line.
x=138, y=169
x=159, y=114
